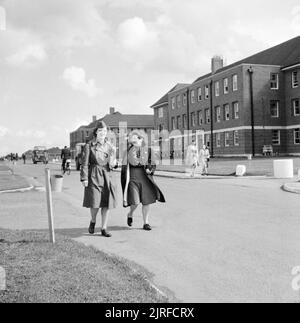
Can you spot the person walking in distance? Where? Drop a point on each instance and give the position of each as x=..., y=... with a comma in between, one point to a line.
x=99, y=159
x=24, y=158
x=65, y=155
x=137, y=179
x=192, y=157
x=204, y=159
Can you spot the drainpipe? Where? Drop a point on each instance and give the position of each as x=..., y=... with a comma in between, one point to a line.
x=188, y=108
x=250, y=71
x=211, y=120
x=188, y=113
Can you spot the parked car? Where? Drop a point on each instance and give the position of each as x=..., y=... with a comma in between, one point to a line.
x=40, y=155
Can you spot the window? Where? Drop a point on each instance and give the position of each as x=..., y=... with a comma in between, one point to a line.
x=226, y=88
x=173, y=103
x=236, y=110
x=274, y=109
x=184, y=99
x=173, y=123
x=193, y=119
x=193, y=98
x=160, y=112
x=199, y=94
x=276, y=137
x=200, y=118
x=226, y=112
x=218, y=114
x=295, y=82
x=184, y=121
x=178, y=122
x=206, y=92
x=297, y=136
x=179, y=101
x=234, y=83
x=217, y=88
x=227, y=139
x=218, y=140
x=296, y=107
x=236, y=138
x=274, y=83
x=207, y=116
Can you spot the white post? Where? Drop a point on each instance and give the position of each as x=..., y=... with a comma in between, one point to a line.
x=50, y=206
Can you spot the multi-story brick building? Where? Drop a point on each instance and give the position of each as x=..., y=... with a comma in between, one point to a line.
x=244, y=106
x=113, y=120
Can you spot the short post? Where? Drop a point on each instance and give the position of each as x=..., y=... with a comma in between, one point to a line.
x=49, y=206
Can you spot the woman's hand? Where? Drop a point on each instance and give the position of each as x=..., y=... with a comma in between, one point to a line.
x=85, y=183
x=148, y=171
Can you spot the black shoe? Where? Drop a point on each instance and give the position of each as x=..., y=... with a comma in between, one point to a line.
x=92, y=228
x=129, y=221
x=147, y=227
x=105, y=234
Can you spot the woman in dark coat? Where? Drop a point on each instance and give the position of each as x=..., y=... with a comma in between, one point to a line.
x=137, y=179
x=99, y=158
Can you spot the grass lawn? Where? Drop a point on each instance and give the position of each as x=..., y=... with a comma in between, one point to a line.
x=11, y=182
x=67, y=272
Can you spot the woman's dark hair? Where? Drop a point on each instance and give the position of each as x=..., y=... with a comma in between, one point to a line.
x=100, y=125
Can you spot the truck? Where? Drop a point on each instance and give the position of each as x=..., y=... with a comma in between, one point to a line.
x=40, y=155
x=78, y=155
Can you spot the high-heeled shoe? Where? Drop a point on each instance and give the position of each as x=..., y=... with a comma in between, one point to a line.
x=105, y=233
x=129, y=221
x=92, y=228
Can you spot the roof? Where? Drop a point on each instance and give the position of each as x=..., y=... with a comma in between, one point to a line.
x=133, y=120
x=285, y=54
x=165, y=98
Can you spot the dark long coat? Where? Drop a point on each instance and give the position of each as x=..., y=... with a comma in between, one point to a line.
x=125, y=177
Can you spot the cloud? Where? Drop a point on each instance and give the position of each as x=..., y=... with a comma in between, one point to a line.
x=135, y=35
x=30, y=56
x=3, y=131
x=76, y=78
x=35, y=134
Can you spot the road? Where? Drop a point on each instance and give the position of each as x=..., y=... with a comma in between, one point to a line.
x=215, y=240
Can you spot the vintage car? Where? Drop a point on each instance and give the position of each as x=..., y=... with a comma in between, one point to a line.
x=40, y=155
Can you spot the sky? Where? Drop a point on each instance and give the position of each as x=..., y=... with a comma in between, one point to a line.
x=63, y=61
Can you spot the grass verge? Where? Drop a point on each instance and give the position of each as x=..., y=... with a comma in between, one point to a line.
x=12, y=182
x=68, y=272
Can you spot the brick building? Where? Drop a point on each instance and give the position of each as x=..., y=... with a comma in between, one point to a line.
x=241, y=107
x=113, y=120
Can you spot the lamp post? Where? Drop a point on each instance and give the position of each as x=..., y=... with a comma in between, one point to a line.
x=251, y=71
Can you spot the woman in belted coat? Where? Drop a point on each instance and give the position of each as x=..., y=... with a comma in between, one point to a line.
x=137, y=179
x=99, y=159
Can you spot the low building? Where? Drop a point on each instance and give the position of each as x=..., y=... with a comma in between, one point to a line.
x=242, y=107
x=113, y=120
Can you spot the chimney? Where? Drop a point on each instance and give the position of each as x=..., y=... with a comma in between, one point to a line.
x=112, y=110
x=94, y=118
x=217, y=62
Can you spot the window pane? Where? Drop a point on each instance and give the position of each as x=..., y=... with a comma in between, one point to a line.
x=276, y=137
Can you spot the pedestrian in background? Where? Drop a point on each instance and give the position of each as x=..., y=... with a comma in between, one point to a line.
x=99, y=159
x=137, y=179
x=204, y=159
x=192, y=157
x=24, y=158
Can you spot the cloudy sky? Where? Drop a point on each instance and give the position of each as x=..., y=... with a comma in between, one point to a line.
x=62, y=61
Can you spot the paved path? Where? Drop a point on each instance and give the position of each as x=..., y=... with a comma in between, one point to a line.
x=228, y=240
